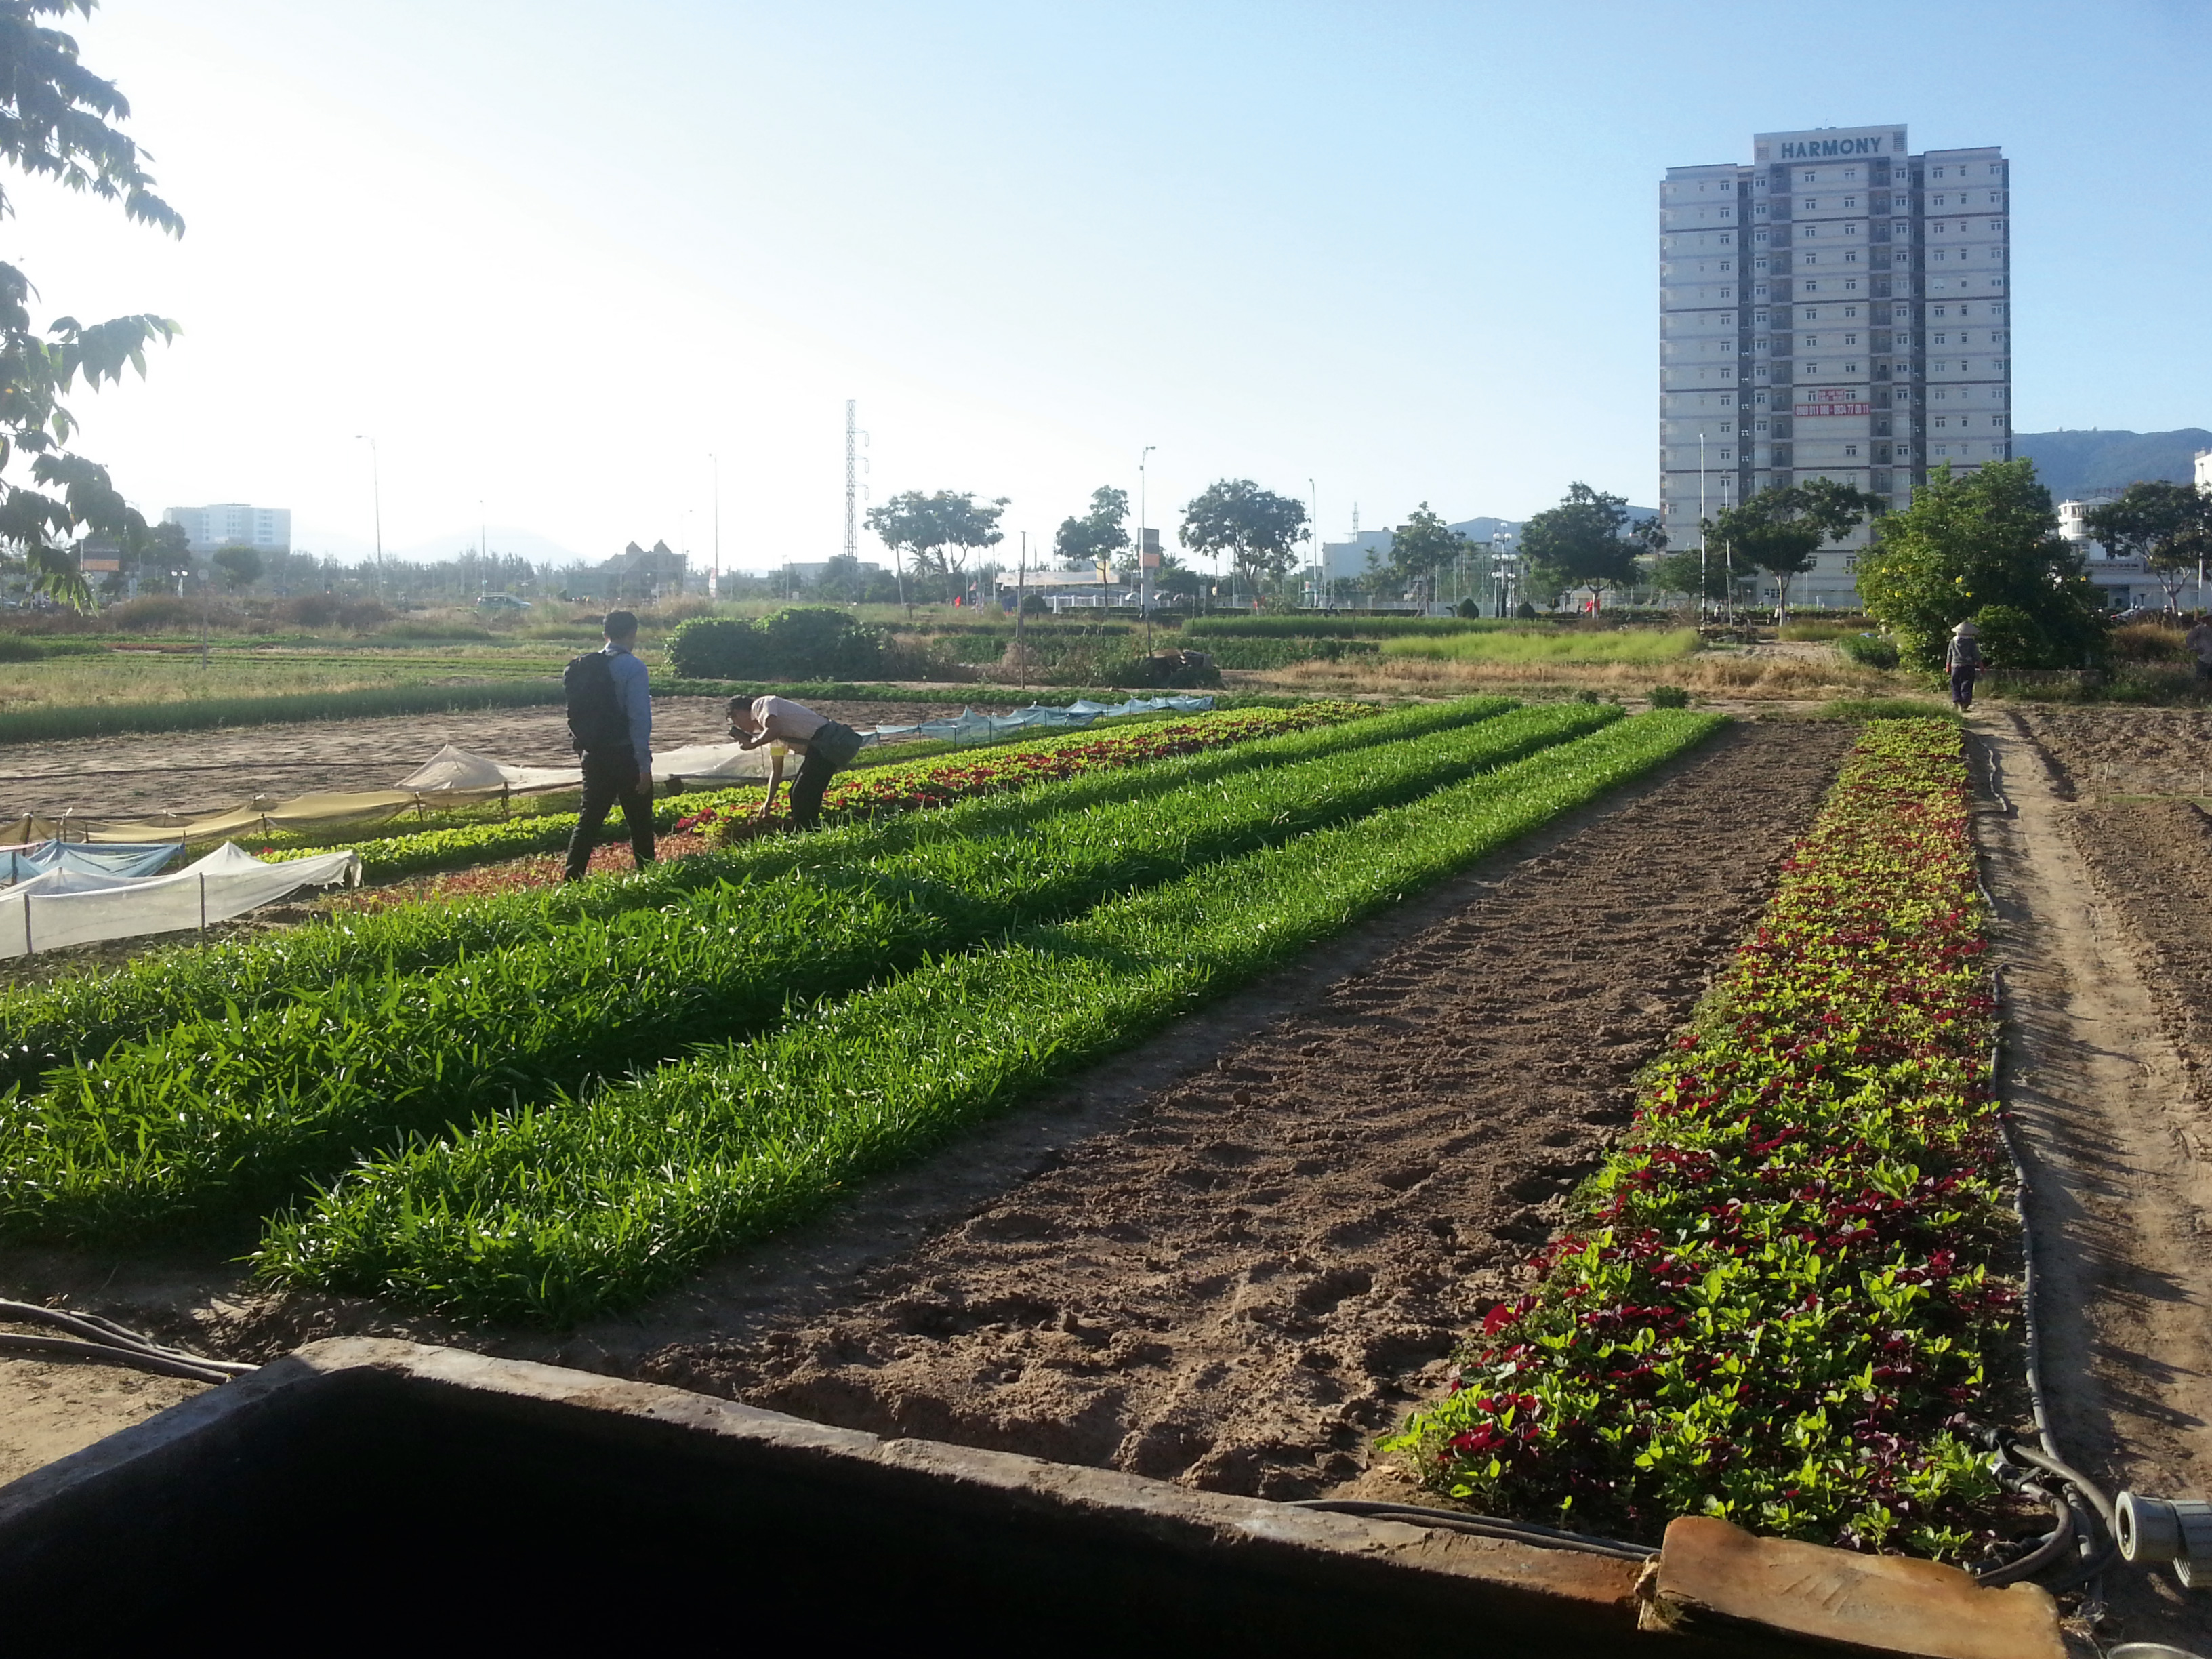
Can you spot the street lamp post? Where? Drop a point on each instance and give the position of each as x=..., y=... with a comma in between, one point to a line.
x=376, y=496
x=1143, y=569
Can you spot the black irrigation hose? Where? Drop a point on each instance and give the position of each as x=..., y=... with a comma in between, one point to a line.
x=1483, y=1526
x=88, y=1336
x=2055, y=1544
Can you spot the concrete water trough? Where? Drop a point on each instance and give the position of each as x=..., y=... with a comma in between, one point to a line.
x=374, y=1490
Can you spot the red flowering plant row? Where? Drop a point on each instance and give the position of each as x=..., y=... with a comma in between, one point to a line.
x=1783, y=1293
x=914, y=786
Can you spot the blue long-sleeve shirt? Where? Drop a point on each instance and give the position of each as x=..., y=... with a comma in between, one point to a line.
x=634, y=696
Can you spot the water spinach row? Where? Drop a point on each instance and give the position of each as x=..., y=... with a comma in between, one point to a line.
x=83, y=1016
x=554, y=1214
x=214, y=1120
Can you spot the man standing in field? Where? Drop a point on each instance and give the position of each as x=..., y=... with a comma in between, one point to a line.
x=825, y=744
x=611, y=719
x=1963, y=657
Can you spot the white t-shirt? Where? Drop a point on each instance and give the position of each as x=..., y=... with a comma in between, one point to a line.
x=788, y=722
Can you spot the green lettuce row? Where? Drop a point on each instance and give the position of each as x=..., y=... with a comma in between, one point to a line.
x=212, y=1120
x=83, y=1017
x=552, y=1214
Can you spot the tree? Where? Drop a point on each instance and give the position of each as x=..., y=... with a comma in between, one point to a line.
x=1587, y=541
x=1687, y=573
x=2167, y=525
x=1782, y=529
x=56, y=121
x=1985, y=538
x=939, y=531
x=1424, y=544
x=1256, y=528
x=1086, y=543
x=241, y=567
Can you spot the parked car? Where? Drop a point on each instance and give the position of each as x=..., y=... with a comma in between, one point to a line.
x=501, y=602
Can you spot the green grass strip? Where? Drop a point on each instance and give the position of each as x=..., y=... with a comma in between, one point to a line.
x=209, y=1122
x=83, y=1017
x=203, y=714
x=550, y=1215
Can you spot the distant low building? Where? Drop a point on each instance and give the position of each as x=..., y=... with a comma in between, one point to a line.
x=2123, y=583
x=234, y=524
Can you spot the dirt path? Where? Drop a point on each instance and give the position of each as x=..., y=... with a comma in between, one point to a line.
x=2117, y=1140
x=1266, y=1260
x=188, y=771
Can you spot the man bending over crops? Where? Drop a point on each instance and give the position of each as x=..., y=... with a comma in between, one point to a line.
x=610, y=718
x=825, y=744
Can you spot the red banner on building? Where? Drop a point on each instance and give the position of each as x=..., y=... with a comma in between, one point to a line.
x=1831, y=400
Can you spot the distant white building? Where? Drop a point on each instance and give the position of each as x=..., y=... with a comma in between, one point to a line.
x=234, y=524
x=2204, y=468
x=2123, y=583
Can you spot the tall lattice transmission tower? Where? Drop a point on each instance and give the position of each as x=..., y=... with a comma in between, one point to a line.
x=852, y=480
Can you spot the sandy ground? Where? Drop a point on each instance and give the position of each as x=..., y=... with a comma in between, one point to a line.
x=48, y=1410
x=2118, y=1135
x=188, y=771
x=1270, y=1258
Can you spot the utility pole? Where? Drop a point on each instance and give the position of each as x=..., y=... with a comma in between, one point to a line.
x=714, y=581
x=1313, y=535
x=376, y=487
x=1705, y=578
x=852, y=480
x=1021, y=598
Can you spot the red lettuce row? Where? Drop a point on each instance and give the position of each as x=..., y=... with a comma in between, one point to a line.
x=1783, y=1295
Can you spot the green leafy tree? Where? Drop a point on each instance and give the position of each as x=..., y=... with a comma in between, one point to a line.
x=1782, y=529
x=1257, y=529
x=2167, y=525
x=1704, y=575
x=1973, y=541
x=1085, y=543
x=938, y=531
x=1422, y=545
x=241, y=567
x=1588, y=540
x=58, y=120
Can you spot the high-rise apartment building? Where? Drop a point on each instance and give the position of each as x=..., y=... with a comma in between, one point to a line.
x=1838, y=309
x=234, y=524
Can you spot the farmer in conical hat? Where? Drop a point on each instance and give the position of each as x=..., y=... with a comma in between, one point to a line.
x=1963, y=657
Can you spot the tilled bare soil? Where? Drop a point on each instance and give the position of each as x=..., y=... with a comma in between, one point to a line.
x=2112, y=749
x=1275, y=1259
x=2153, y=862
x=190, y=771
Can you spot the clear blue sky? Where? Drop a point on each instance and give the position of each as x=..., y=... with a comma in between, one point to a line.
x=553, y=255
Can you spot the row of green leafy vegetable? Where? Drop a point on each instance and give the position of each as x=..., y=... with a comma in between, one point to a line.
x=215, y=1118
x=1784, y=1291
x=83, y=1016
x=556, y=1211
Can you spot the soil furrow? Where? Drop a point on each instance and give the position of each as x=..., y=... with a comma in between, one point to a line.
x=1272, y=1255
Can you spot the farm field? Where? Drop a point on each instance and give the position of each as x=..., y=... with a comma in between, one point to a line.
x=1529, y=648
x=1243, y=1254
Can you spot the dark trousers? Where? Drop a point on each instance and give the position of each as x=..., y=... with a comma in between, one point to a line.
x=610, y=778
x=1962, y=686
x=829, y=749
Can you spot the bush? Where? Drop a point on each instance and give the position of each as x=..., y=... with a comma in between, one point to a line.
x=1525, y=612
x=2013, y=639
x=1182, y=671
x=1869, y=652
x=1669, y=696
x=2152, y=641
x=165, y=613
x=1470, y=609
x=797, y=642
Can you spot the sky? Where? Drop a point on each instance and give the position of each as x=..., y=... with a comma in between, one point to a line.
x=553, y=258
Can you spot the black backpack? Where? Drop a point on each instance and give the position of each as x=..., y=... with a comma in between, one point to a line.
x=596, y=721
